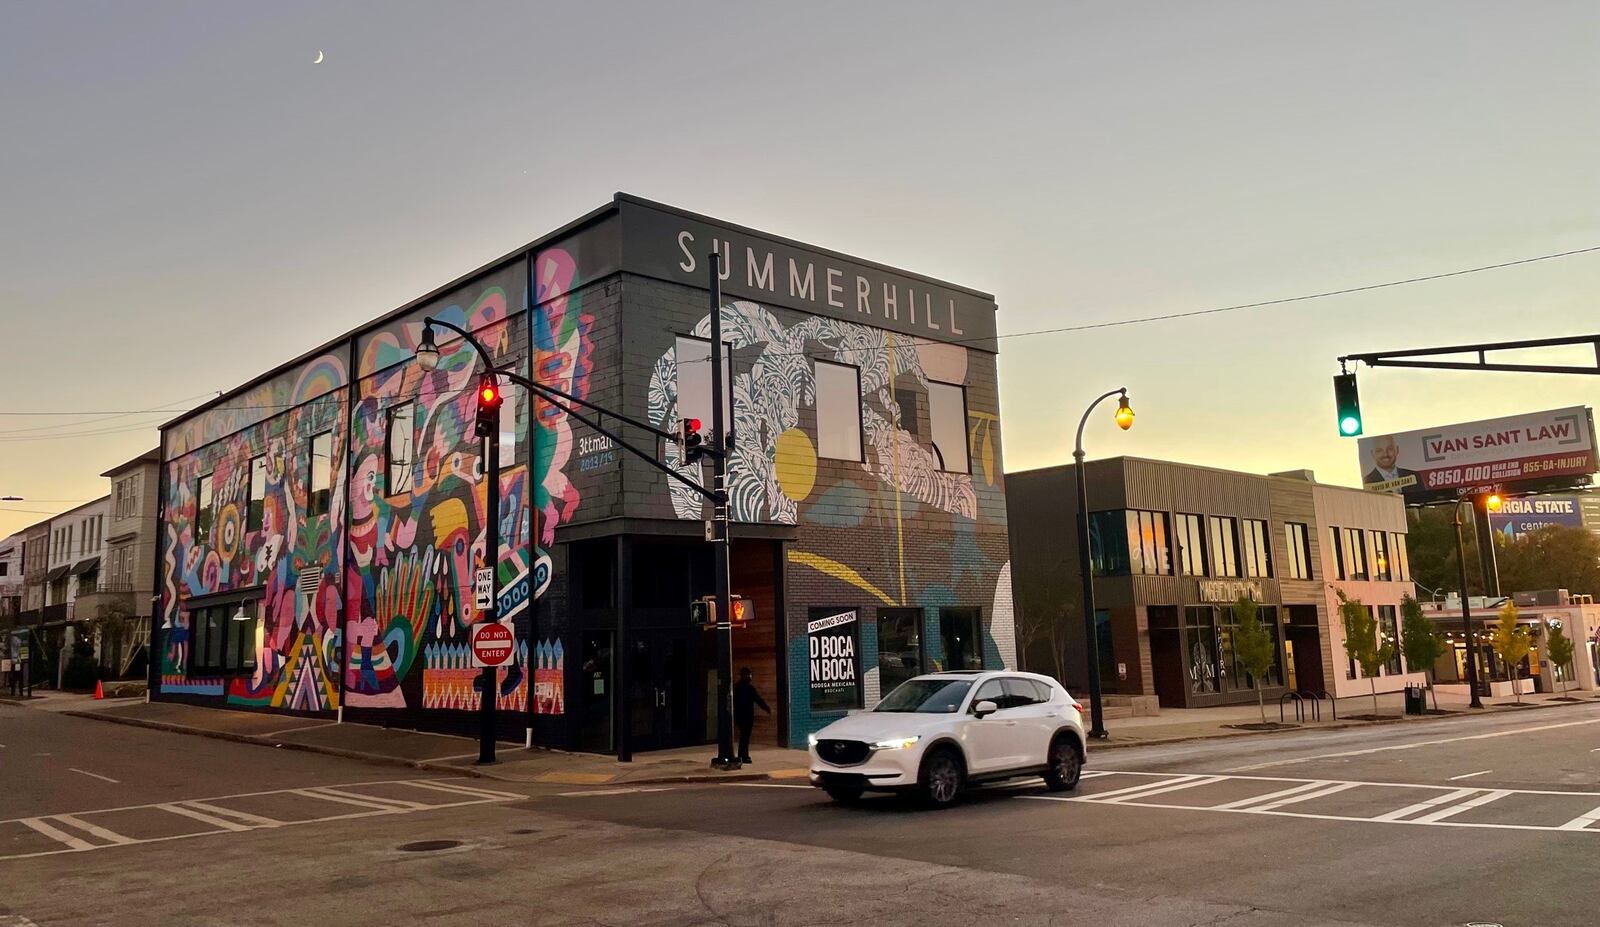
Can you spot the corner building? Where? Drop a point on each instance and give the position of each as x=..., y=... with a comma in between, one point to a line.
x=321, y=523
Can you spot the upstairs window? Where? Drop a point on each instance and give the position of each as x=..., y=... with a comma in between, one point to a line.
x=1191, y=545
x=1256, y=554
x=1297, y=541
x=947, y=412
x=1224, y=545
x=1382, y=567
x=255, y=509
x=319, y=479
x=838, y=411
x=202, y=512
x=400, y=460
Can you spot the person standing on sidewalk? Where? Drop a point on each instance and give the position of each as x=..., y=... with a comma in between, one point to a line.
x=745, y=700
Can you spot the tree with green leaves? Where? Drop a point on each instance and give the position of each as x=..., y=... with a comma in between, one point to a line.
x=1560, y=647
x=1512, y=643
x=1421, y=641
x=1254, y=647
x=1361, y=641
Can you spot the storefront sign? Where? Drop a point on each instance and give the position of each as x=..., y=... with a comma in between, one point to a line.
x=1481, y=456
x=675, y=246
x=1229, y=590
x=833, y=637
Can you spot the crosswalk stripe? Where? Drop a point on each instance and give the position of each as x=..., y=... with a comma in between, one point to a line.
x=1582, y=821
x=204, y=818
x=1434, y=802
x=235, y=814
x=1175, y=787
x=1141, y=787
x=1441, y=814
x=57, y=835
x=370, y=801
x=1281, y=793
x=98, y=831
x=1303, y=796
x=473, y=791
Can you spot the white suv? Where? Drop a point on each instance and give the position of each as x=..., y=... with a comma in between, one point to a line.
x=934, y=734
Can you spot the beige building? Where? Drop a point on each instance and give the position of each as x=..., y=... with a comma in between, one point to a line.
x=127, y=571
x=1539, y=613
x=1174, y=546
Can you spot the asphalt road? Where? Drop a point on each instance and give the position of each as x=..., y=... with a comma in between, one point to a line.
x=1480, y=820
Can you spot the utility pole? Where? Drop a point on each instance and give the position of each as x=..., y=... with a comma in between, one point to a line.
x=490, y=678
x=1466, y=613
x=720, y=445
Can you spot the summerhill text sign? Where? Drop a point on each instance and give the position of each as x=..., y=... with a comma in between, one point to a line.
x=676, y=246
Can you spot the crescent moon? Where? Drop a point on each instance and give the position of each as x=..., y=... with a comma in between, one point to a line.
x=319, y=57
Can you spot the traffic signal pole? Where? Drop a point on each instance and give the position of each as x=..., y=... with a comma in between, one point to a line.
x=489, y=681
x=725, y=758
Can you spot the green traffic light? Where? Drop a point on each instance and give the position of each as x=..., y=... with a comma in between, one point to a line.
x=1350, y=425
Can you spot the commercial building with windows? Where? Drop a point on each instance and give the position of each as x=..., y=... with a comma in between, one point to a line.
x=321, y=523
x=1173, y=548
x=1538, y=613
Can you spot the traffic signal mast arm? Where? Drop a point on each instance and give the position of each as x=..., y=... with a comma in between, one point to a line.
x=560, y=399
x=1407, y=358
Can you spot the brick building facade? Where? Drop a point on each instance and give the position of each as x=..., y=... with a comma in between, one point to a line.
x=322, y=522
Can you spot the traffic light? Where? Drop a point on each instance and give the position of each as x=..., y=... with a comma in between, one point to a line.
x=690, y=443
x=1348, y=403
x=489, y=399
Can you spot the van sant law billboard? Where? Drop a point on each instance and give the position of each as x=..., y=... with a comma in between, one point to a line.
x=1486, y=456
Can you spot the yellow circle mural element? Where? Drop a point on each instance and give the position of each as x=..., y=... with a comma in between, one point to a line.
x=795, y=464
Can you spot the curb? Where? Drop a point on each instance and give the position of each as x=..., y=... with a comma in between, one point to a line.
x=1332, y=726
x=385, y=760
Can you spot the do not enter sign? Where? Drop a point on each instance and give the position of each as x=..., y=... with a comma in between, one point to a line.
x=493, y=644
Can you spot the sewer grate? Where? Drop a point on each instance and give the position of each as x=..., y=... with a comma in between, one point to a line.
x=428, y=846
x=525, y=830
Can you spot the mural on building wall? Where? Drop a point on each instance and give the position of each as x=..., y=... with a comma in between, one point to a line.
x=895, y=492
x=291, y=556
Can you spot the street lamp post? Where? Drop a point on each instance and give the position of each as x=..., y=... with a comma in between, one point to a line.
x=1466, y=612
x=1124, y=418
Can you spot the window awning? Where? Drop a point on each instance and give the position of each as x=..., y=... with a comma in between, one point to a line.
x=56, y=573
x=85, y=566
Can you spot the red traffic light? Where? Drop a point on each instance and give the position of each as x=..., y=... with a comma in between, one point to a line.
x=488, y=394
x=692, y=423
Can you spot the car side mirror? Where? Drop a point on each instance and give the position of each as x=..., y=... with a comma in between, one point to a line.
x=985, y=707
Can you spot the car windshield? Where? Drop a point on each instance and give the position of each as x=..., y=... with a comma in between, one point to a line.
x=929, y=696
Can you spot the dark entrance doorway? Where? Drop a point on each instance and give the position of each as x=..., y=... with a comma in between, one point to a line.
x=1302, y=645
x=665, y=708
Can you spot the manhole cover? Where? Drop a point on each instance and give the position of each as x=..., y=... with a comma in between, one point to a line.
x=526, y=830
x=1482, y=924
x=428, y=846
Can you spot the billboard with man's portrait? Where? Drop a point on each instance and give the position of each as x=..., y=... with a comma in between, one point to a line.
x=1497, y=455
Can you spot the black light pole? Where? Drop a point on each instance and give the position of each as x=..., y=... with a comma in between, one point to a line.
x=1097, y=727
x=720, y=445
x=1466, y=613
x=428, y=358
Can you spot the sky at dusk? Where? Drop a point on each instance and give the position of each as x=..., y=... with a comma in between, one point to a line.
x=189, y=200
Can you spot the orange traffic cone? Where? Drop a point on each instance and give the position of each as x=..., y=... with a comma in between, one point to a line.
x=99, y=690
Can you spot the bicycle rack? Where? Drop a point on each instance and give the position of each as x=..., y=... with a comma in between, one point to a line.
x=1299, y=706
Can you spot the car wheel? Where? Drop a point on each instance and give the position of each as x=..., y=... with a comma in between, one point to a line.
x=1065, y=767
x=941, y=778
x=844, y=794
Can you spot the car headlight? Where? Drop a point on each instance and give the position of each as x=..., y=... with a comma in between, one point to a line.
x=896, y=743
x=811, y=740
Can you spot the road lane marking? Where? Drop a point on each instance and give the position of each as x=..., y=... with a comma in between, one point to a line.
x=1281, y=793
x=1415, y=745
x=303, y=727
x=438, y=785
x=770, y=785
x=107, y=835
x=1582, y=821
x=85, y=772
x=627, y=791
x=1469, y=804
x=202, y=817
x=235, y=814
x=59, y=836
x=1425, y=805
x=363, y=801
x=1194, y=782
x=1481, y=772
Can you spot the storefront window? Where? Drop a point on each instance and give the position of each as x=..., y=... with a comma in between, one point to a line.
x=1200, y=633
x=899, y=647
x=1388, y=633
x=961, y=633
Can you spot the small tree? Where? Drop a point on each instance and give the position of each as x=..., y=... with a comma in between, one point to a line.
x=1253, y=647
x=1421, y=641
x=1512, y=643
x=1361, y=641
x=1560, y=647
